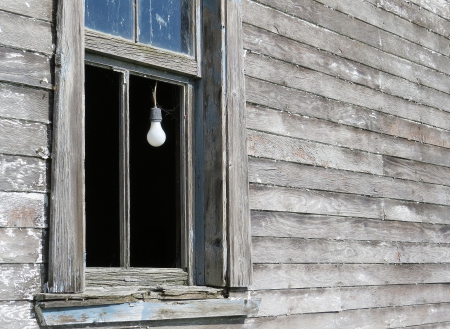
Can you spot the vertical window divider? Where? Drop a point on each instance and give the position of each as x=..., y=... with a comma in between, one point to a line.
x=136, y=21
x=124, y=153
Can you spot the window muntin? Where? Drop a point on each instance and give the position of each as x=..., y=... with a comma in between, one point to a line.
x=167, y=24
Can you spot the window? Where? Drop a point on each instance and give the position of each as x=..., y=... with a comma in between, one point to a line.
x=208, y=70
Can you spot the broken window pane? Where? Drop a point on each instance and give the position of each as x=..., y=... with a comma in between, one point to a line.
x=166, y=24
x=114, y=17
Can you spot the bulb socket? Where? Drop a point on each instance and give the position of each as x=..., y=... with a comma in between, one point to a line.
x=155, y=114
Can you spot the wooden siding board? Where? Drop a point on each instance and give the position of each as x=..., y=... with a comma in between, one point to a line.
x=416, y=15
x=314, y=202
x=41, y=9
x=415, y=212
x=296, y=126
x=24, y=138
x=307, y=152
x=20, y=281
x=20, y=102
x=274, y=45
x=281, y=224
x=17, y=314
x=292, y=76
x=308, y=104
x=33, y=35
x=22, y=245
x=23, y=209
x=302, y=31
x=293, y=175
x=285, y=250
x=23, y=174
x=438, y=7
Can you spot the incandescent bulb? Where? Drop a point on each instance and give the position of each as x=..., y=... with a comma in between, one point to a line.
x=156, y=135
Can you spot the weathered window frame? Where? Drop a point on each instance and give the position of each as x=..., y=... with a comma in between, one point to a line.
x=222, y=220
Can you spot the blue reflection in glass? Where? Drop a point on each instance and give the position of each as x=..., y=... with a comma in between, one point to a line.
x=166, y=24
x=114, y=17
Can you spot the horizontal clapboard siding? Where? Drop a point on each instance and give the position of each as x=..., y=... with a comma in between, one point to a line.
x=348, y=117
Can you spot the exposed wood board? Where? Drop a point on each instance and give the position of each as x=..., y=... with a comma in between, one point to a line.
x=19, y=102
x=286, y=250
x=23, y=174
x=134, y=276
x=373, y=27
x=274, y=45
x=118, y=47
x=291, y=276
x=391, y=317
x=393, y=295
x=32, y=35
x=23, y=209
x=25, y=68
x=314, y=82
x=296, y=29
x=416, y=212
x=307, y=152
x=20, y=281
x=300, y=102
x=41, y=9
x=238, y=215
x=66, y=239
x=314, y=202
x=442, y=325
x=22, y=245
x=417, y=171
x=145, y=311
x=17, y=314
x=295, y=301
x=293, y=175
x=438, y=7
x=281, y=224
x=24, y=138
x=297, y=126
x=415, y=14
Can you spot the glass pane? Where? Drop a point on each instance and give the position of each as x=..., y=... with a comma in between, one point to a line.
x=114, y=17
x=166, y=24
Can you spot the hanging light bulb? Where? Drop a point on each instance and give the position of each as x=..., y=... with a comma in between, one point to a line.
x=156, y=135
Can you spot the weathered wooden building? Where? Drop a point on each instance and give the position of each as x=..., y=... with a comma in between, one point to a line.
x=310, y=177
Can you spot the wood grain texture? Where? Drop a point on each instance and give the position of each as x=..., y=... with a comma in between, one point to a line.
x=20, y=281
x=41, y=9
x=17, y=314
x=298, y=176
x=19, y=102
x=23, y=174
x=25, y=68
x=292, y=76
x=32, y=35
x=316, y=106
x=314, y=202
x=22, y=245
x=416, y=15
x=66, y=267
x=373, y=27
x=23, y=209
x=238, y=215
x=280, y=224
x=306, y=152
x=274, y=45
x=291, y=276
x=285, y=250
x=24, y=138
x=393, y=295
x=438, y=7
x=97, y=277
x=118, y=47
x=296, y=126
x=416, y=212
x=313, y=35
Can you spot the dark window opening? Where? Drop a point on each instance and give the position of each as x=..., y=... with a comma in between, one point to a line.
x=154, y=177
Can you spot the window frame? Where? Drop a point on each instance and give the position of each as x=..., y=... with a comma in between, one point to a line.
x=222, y=245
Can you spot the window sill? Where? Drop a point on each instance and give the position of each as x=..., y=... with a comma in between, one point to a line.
x=121, y=304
